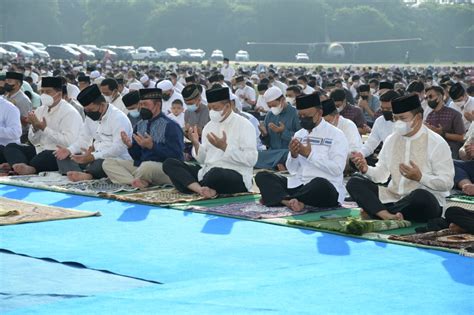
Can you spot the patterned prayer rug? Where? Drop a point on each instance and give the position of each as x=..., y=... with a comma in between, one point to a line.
x=444, y=238
x=253, y=210
x=56, y=182
x=16, y=212
x=461, y=198
x=166, y=196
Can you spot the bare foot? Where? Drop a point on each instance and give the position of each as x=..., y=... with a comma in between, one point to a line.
x=468, y=189
x=364, y=215
x=456, y=228
x=140, y=183
x=5, y=167
x=23, y=169
x=385, y=215
x=208, y=192
x=294, y=204
x=281, y=167
x=78, y=176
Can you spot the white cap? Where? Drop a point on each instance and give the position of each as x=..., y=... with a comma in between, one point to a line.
x=95, y=74
x=135, y=86
x=165, y=85
x=272, y=94
x=144, y=78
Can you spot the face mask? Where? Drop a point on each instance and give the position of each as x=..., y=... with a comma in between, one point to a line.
x=93, y=115
x=340, y=109
x=290, y=100
x=108, y=99
x=134, y=113
x=301, y=86
x=215, y=116
x=276, y=110
x=8, y=87
x=191, y=108
x=433, y=104
x=146, y=114
x=372, y=91
x=459, y=104
x=402, y=128
x=47, y=100
x=387, y=115
x=166, y=97
x=364, y=97
x=307, y=123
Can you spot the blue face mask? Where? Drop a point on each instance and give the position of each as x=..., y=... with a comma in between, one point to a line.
x=134, y=113
x=191, y=108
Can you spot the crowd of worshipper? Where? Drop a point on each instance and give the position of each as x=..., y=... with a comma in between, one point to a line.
x=402, y=135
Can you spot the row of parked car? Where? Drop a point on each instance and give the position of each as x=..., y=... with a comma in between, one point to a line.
x=34, y=50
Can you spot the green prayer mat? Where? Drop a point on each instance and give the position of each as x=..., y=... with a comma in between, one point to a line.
x=462, y=198
x=350, y=225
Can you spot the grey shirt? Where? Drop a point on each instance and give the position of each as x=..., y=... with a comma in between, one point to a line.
x=20, y=100
x=199, y=118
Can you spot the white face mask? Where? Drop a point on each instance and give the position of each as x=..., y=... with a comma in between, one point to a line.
x=402, y=128
x=276, y=110
x=372, y=91
x=108, y=99
x=460, y=104
x=47, y=100
x=290, y=100
x=340, y=109
x=216, y=116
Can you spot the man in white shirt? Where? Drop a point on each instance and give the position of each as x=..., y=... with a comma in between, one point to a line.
x=303, y=83
x=316, y=162
x=226, y=155
x=177, y=86
x=382, y=127
x=54, y=123
x=10, y=128
x=227, y=70
x=146, y=82
x=420, y=166
x=331, y=115
x=100, y=138
x=109, y=89
x=169, y=95
x=261, y=107
x=463, y=103
x=245, y=93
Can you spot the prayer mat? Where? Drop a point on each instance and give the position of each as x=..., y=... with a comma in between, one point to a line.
x=166, y=196
x=16, y=212
x=444, y=238
x=255, y=210
x=54, y=181
x=452, y=203
x=461, y=198
x=350, y=225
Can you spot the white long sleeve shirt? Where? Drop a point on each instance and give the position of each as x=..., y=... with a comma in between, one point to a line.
x=329, y=150
x=241, y=152
x=63, y=124
x=380, y=131
x=117, y=102
x=228, y=72
x=467, y=107
x=166, y=105
x=10, y=126
x=104, y=135
x=429, y=151
x=349, y=128
x=246, y=93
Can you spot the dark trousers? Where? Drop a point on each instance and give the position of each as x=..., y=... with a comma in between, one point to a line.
x=461, y=217
x=44, y=161
x=94, y=168
x=2, y=157
x=419, y=206
x=319, y=192
x=463, y=170
x=223, y=181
